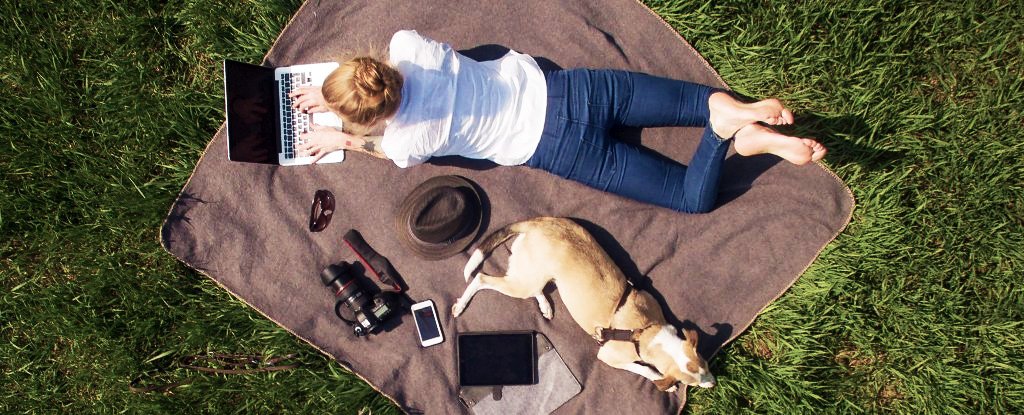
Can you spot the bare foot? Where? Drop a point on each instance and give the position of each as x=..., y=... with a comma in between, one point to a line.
x=757, y=139
x=727, y=115
x=819, y=151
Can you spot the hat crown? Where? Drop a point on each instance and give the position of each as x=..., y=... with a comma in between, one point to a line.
x=441, y=215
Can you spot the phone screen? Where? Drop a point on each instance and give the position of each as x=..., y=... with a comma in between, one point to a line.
x=426, y=323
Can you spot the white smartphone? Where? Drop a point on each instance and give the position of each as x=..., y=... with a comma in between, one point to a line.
x=427, y=325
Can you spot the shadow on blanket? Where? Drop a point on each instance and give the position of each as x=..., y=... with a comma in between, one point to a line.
x=492, y=51
x=708, y=344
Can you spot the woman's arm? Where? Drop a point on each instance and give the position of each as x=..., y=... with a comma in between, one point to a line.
x=369, y=145
x=321, y=140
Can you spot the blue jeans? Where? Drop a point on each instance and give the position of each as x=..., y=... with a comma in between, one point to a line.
x=584, y=105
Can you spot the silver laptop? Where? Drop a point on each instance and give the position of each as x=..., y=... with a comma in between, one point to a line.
x=262, y=125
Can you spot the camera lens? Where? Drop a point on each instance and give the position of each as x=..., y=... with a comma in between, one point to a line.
x=342, y=280
x=333, y=272
x=346, y=286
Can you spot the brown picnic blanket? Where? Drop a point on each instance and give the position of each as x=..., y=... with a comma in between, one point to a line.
x=245, y=225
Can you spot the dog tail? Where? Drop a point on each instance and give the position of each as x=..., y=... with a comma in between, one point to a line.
x=485, y=248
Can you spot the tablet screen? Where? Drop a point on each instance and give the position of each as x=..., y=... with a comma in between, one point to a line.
x=487, y=359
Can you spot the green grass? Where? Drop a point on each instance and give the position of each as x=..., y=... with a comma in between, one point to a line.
x=916, y=308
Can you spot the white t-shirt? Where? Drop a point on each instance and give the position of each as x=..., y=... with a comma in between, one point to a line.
x=453, y=105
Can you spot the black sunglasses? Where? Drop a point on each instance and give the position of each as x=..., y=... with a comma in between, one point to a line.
x=321, y=211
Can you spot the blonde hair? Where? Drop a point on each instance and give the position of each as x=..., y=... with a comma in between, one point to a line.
x=363, y=91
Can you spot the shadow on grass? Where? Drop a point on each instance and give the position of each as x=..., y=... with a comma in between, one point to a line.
x=173, y=228
x=830, y=130
x=842, y=151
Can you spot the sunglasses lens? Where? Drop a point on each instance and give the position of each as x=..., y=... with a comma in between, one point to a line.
x=321, y=211
x=319, y=225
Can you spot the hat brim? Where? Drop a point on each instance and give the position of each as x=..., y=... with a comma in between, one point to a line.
x=431, y=251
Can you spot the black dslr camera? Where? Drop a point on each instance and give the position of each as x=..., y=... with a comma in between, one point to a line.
x=369, y=309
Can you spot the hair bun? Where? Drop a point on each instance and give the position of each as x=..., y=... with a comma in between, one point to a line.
x=363, y=90
x=369, y=77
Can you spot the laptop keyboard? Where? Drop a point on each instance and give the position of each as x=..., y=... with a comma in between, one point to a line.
x=295, y=122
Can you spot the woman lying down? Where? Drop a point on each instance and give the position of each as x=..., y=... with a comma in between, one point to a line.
x=428, y=100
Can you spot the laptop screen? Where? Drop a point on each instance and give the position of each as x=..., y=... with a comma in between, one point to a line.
x=251, y=105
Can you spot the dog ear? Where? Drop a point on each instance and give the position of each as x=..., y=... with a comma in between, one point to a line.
x=691, y=337
x=665, y=383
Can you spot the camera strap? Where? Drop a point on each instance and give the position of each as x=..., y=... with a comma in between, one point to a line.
x=375, y=262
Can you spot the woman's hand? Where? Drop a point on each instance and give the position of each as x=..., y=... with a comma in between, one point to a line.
x=308, y=99
x=320, y=141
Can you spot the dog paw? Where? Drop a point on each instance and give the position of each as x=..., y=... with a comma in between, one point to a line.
x=544, y=305
x=457, y=309
x=672, y=389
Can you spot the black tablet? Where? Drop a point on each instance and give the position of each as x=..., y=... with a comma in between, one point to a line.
x=497, y=358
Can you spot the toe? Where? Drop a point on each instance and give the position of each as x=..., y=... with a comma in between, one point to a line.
x=787, y=116
x=818, y=155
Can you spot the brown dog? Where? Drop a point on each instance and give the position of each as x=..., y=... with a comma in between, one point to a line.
x=629, y=323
